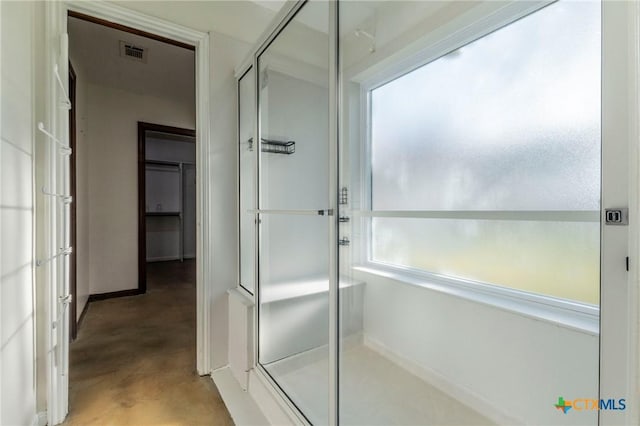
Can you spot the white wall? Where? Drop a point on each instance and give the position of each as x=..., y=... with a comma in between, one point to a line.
x=493, y=354
x=225, y=53
x=295, y=246
x=171, y=150
x=113, y=166
x=82, y=249
x=17, y=298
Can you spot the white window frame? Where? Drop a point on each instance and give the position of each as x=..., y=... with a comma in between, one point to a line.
x=575, y=315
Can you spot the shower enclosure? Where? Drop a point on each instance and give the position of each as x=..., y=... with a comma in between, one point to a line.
x=419, y=211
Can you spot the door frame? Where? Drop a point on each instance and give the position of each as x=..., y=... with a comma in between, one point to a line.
x=73, y=234
x=143, y=128
x=56, y=52
x=620, y=251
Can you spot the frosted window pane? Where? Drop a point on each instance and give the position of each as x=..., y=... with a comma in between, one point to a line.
x=508, y=122
x=559, y=259
x=247, y=181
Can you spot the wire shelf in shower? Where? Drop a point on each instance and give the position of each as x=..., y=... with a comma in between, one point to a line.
x=275, y=147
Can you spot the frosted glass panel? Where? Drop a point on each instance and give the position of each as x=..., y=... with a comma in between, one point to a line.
x=508, y=122
x=298, y=180
x=247, y=157
x=294, y=107
x=294, y=308
x=553, y=258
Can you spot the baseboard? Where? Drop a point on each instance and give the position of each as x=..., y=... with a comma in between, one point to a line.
x=40, y=419
x=296, y=361
x=104, y=296
x=436, y=379
x=83, y=313
x=243, y=409
x=114, y=294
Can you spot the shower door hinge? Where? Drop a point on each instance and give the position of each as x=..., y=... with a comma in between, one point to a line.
x=344, y=196
x=344, y=241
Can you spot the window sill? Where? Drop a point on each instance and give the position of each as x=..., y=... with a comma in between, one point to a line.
x=577, y=316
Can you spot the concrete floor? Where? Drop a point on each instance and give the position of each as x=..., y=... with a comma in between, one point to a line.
x=133, y=362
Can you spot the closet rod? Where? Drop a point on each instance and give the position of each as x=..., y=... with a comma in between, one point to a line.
x=65, y=198
x=64, y=149
x=66, y=103
x=62, y=252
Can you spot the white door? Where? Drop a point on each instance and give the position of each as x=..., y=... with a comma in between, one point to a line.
x=55, y=190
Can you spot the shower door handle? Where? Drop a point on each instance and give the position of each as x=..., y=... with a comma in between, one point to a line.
x=328, y=212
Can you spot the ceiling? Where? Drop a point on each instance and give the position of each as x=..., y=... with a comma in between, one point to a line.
x=169, y=71
x=243, y=20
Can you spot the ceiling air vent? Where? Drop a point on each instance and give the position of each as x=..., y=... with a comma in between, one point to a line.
x=137, y=53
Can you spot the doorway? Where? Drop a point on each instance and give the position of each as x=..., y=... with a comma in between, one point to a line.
x=166, y=196
x=56, y=353
x=124, y=77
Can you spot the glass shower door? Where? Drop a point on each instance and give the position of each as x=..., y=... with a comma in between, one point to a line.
x=293, y=150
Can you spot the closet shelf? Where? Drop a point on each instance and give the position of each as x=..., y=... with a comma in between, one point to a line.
x=275, y=147
x=163, y=163
x=163, y=213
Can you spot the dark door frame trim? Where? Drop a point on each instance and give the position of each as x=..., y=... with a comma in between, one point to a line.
x=109, y=24
x=73, y=258
x=143, y=128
